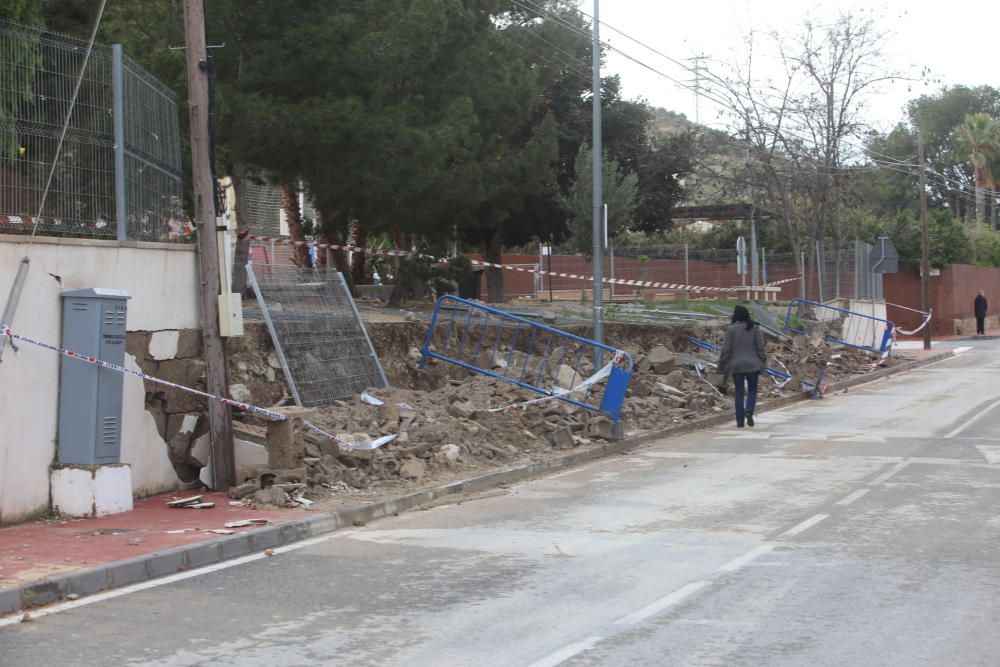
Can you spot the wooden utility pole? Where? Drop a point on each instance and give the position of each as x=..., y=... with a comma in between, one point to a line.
x=219, y=419
x=925, y=241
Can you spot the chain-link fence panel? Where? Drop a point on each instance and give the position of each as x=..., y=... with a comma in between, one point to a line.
x=41, y=70
x=318, y=335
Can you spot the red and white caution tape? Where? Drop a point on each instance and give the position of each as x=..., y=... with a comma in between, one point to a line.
x=246, y=407
x=927, y=318
x=555, y=274
x=635, y=283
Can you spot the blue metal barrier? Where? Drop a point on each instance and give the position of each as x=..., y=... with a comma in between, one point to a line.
x=525, y=353
x=853, y=329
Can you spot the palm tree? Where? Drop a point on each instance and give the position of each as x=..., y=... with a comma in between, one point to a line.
x=979, y=140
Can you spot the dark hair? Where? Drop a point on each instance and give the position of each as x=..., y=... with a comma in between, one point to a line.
x=741, y=314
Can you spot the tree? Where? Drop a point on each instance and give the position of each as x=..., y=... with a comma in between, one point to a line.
x=620, y=195
x=979, y=141
x=660, y=182
x=938, y=116
x=798, y=128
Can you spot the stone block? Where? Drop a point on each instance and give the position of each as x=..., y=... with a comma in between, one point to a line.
x=413, y=469
x=163, y=344
x=600, y=427
x=189, y=344
x=137, y=344
x=662, y=360
x=562, y=438
x=462, y=410
x=185, y=372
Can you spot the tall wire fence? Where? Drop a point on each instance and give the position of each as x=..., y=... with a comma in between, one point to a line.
x=119, y=174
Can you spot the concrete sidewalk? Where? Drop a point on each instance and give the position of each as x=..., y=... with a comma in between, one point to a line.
x=51, y=560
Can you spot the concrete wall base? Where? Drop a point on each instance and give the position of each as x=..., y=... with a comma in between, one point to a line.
x=91, y=491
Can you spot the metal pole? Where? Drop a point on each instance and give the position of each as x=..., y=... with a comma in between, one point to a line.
x=13, y=299
x=611, y=286
x=539, y=277
x=802, y=277
x=219, y=419
x=118, y=120
x=598, y=195
x=925, y=258
x=687, y=266
x=550, y=273
x=754, y=274
x=819, y=272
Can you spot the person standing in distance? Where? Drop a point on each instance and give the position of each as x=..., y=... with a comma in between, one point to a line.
x=980, y=306
x=743, y=356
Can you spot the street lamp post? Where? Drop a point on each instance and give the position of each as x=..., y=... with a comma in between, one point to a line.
x=598, y=195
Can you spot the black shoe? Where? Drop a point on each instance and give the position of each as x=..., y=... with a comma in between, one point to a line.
x=739, y=425
x=749, y=419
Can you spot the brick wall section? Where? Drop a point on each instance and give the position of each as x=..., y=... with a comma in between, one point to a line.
x=702, y=273
x=952, y=294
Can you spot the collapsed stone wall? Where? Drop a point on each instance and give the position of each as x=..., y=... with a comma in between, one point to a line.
x=175, y=356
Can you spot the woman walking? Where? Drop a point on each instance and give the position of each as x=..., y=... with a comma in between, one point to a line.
x=980, y=307
x=743, y=356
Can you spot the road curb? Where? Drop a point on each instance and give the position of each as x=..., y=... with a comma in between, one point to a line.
x=188, y=557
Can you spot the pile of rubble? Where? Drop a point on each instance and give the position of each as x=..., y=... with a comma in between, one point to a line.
x=459, y=422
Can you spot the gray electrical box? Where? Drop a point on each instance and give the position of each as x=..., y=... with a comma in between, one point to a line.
x=90, y=397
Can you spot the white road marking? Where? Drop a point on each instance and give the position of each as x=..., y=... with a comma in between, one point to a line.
x=739, y=562
x=889, y=473
x=169, y=579
x=804, y=526
x=990, y=453
x=666, y=601
x=972, y=421
x=852, y=497
x=960, y=350
x=565, y=653
x=859, y=438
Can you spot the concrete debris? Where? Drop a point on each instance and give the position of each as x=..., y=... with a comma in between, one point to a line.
x=440, y=415
x=241, y=393
x=194, y=503
x=661, y=360
x=413, y=469
x=462, y=409
x=243, y=523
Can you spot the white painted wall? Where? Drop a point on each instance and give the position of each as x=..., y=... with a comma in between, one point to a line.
x=162, y=281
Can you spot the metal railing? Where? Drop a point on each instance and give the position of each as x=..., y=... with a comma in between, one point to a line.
x=527, y=354
x=119, y=175
x=839, y=325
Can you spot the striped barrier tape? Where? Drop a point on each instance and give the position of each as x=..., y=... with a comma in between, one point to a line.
x=555, y=274
x=246, y=407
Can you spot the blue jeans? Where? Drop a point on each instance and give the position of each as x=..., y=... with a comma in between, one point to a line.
x=750, y=391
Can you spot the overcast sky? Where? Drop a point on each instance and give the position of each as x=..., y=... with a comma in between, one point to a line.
x=955, y=41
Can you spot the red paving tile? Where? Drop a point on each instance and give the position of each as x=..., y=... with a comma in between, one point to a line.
x=31, y=551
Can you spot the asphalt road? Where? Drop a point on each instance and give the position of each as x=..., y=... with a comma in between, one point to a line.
x=861, y=529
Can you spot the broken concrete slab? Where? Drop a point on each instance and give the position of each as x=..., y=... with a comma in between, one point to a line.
x=662, y=360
